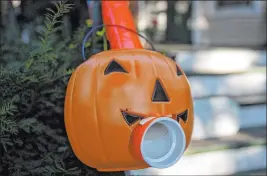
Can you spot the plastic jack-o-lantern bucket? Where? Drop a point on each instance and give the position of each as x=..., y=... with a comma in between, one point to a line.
x=128, y=108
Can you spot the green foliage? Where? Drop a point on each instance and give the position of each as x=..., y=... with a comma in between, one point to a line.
x=33, y=80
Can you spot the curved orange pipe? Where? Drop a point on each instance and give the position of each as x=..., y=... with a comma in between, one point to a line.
x=118, y=13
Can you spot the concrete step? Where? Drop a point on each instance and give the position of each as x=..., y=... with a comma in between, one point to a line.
x=245, y=137
x=262, y=60
x=253, y=116
x=246, y=88
x=222, y=116
x=261, y=172
x=215, y=117
x=243, y=152
x=219, y=60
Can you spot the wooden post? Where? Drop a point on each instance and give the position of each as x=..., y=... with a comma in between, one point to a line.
x=4, y=11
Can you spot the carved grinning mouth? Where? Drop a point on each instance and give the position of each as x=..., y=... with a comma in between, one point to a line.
x=131, y=118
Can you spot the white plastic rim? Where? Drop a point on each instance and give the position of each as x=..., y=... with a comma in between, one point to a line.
x=163, y=143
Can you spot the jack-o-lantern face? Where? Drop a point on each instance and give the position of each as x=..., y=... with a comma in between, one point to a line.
x=108, y=97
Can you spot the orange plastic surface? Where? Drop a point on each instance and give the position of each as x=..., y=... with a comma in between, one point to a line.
x=96, y=128
x=136, y=139
x=118, y=13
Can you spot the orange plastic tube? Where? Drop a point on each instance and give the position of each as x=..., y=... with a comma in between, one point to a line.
x=118, y=13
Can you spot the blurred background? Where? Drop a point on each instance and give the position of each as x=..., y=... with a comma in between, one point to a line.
x=221, y=45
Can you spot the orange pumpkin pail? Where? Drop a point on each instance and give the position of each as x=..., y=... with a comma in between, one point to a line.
x=128, y=108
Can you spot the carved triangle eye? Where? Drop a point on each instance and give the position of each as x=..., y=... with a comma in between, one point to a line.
x=114, y=66
x=130, y=118
x=178, y=71
x=159, y=94
x=182, y=116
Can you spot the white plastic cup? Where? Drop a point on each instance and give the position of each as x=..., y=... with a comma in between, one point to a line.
x=162, y=141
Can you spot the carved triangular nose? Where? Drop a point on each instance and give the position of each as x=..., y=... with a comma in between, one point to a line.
x=159, y=94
